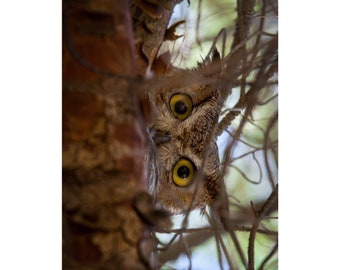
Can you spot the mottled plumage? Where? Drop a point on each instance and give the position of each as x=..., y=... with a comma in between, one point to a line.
x=184, y=141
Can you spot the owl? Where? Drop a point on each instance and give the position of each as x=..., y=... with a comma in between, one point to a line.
x=183, y=132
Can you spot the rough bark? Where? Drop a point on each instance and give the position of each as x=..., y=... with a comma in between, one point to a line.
x=103, y=130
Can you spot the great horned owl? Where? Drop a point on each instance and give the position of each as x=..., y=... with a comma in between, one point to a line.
x=184, y=141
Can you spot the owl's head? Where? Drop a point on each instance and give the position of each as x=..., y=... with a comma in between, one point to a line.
x=184, y=136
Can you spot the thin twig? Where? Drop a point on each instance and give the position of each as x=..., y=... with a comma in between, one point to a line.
x=267, y=141
x=258, y=217
x=270, y=255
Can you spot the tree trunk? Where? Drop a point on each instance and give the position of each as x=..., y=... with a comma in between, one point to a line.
x=105, y=48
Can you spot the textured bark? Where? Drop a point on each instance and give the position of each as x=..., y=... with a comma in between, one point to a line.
x=103, y=169
x=104, y=132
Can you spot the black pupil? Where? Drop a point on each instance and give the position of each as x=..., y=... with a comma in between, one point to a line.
x=180, y=107
x=183, y=171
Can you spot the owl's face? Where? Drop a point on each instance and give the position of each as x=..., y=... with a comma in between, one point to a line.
x=183, y=132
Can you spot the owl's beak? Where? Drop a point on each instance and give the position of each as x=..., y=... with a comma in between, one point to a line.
x=159, y=137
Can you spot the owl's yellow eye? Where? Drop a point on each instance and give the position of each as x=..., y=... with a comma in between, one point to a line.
x=183, y=173
x=181, y=106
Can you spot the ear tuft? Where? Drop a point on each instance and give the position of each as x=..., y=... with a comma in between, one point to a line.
x=211, y=58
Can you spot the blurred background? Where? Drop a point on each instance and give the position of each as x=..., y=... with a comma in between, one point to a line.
x=253, y=162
